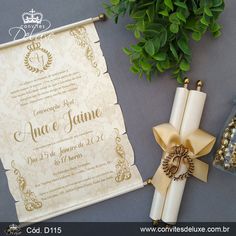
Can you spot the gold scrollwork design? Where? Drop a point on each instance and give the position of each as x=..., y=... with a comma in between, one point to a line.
x=82, y=39
x=122, y=166
x=30, y=201
x=177, y=156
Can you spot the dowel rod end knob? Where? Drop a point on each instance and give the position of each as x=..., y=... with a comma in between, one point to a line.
x=148, y=181
x=155, y=222
x=186, y=82
x=102, y=17
x=199, y=85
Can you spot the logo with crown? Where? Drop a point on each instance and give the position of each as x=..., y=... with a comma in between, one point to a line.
x=32, y=23
x=32, y=17
x=37, y=59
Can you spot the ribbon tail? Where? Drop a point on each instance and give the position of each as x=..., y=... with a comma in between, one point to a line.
x=161, y=181
x=200, y=170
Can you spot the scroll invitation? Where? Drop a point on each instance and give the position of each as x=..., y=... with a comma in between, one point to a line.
x=63, y=140
x=183, y=144
x=176, y=117
x=190, y=123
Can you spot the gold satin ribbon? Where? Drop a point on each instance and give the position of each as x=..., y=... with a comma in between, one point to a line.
x=198, y=143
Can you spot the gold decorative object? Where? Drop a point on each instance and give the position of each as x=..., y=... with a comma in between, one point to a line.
x=181, y=151
x=171, y=163
x=186, y=82
x=122, y=166
x=199, y=85
x=102, y=17
x=37, y=59
x=147, y=182
x=82, y=39
x=30, y=201
x=226, y=153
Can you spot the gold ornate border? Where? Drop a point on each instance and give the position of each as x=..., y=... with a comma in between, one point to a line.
x=82, y=39
x=30, y=201
x=122, y=166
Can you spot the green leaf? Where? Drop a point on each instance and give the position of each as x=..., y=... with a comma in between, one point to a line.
x=217, y=9
x=135, y=56
x=150, y=13
x=138, y=14
x=137, y=34
x=184, y=65
x=208, y=11
x=149, y=47
x=130, y=26
x=163, y=37
x=115, y=2
x=169, y=4
x=172, y=49
x=194, y=6
x=156, y=43
x=148, y=75
x=160, y=56
x=215, y=27
x=181, y=16
x=181, y=4
x=196, y=36
x=145, y=66
x=164, y=13
x=136, y=48
x=144, y=4
x=173, y=18
x=217, y=3
x=165, y=64
x=134, y=69
x=127, y=51
x=217, y=34
x=174, y=28
x=140, y=26
x=179, y=79
x=204, y=21
x=159, y=68
x=183, y=45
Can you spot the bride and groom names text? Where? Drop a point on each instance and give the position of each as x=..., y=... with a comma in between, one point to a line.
x=71, y=121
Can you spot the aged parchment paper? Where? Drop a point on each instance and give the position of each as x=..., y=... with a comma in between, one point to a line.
x=63, y=137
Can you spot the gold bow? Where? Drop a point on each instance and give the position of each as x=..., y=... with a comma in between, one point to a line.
x=178, y=152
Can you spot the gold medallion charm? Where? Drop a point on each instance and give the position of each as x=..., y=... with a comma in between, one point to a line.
x=37, y=59
x=177, y=156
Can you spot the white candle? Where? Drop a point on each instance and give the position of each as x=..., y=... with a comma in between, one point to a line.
x=176, y=117
x=191, y=121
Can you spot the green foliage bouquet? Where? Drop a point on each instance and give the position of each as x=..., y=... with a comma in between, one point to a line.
x=163, y=29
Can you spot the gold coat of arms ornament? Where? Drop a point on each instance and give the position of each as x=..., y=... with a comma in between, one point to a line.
x=37, y=59
x=178, y=155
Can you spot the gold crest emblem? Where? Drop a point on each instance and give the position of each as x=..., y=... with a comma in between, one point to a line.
x=37, y=59
x=171, y=164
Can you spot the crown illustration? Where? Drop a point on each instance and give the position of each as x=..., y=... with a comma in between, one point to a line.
x=32, y=17
x=33, y=46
